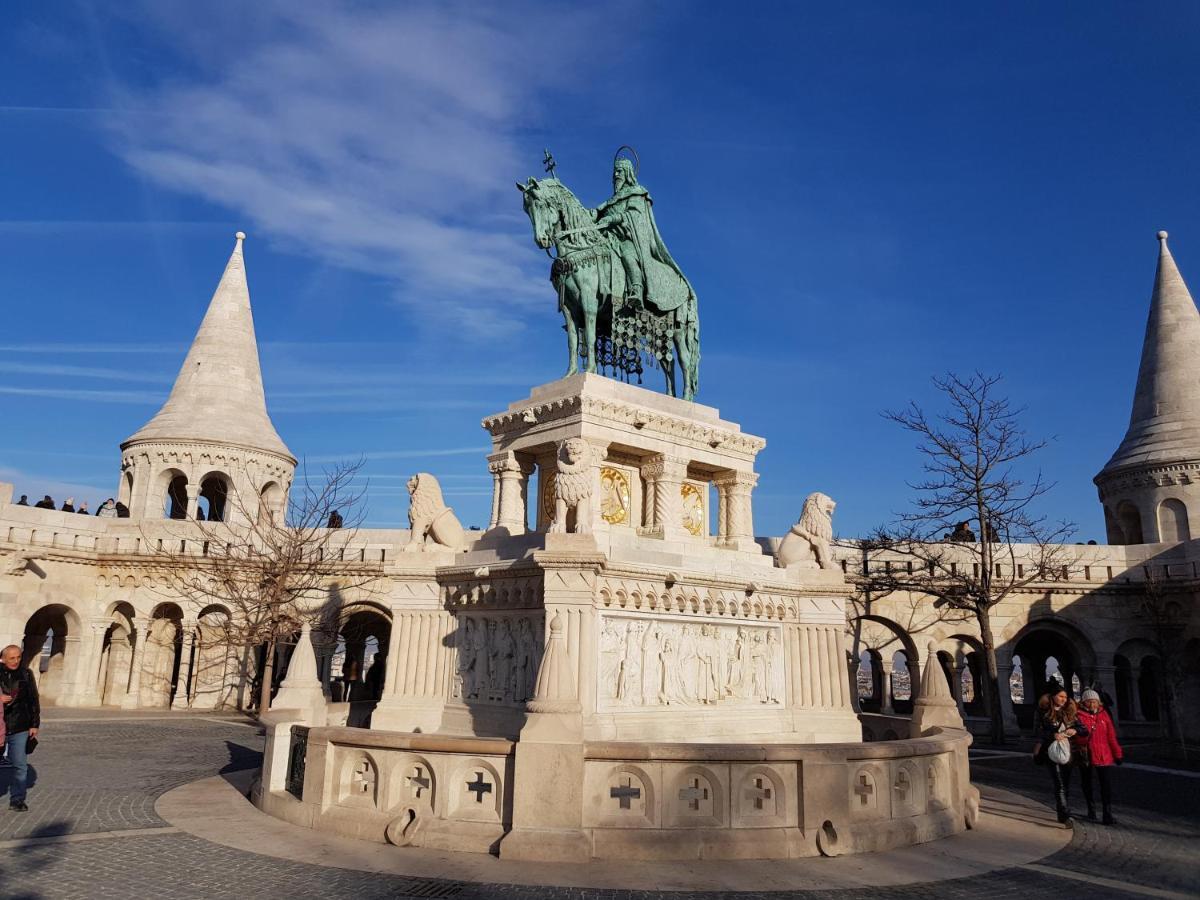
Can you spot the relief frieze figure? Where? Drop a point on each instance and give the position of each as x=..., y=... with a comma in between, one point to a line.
x=658, y=662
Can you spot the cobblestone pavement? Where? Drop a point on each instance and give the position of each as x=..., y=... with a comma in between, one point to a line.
x=92, y=831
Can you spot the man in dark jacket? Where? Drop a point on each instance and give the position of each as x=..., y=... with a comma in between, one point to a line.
x=22, y=717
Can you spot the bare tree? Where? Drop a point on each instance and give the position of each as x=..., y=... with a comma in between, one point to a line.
x=1165, y=610
x=272, y=569
x=970, y=451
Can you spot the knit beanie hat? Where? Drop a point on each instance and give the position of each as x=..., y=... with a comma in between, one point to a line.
x=1089, y=694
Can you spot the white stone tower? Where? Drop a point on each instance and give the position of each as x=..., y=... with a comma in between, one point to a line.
x=212, y=446
x=1151, y=487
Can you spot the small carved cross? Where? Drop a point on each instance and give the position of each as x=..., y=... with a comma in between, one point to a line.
x=864, y=789
x=419, y=781
x=549, y=163
x=693, y=794
x=479, y=786
x=625, y=793
x=759, y=793
x=903, y=786
x=364, y=777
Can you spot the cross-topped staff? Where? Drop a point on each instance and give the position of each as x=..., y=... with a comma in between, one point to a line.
x=549, y=163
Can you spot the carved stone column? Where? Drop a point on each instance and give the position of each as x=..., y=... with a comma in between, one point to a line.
x=510, y=507
x=650, y=472
x=667, y=473
x=193, y=499
x=89, y=673
x=142, y=632
x=495, y=517
x=736, y=512
x=182, y=698
x=885, y=688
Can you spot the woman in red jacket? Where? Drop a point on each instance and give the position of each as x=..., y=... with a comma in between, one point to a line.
x=1097, y=753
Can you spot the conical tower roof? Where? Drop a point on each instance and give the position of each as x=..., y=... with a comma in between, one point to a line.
x=1165, y=423
x=218, y=395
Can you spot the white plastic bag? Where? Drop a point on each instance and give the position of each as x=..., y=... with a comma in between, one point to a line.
x=1059, y=752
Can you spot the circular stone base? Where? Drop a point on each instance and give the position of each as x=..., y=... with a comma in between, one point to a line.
x=1011, y=831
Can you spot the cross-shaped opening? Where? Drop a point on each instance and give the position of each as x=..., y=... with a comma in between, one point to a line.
x=364, y=777
x=479, y=786
x=864, y=789
x=760, y=793
x=624, y=793
x=419, y=781
x=693, y=794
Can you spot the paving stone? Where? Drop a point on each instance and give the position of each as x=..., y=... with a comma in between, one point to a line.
x=104, y=777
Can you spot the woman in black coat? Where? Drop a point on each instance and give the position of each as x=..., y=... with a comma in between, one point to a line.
x=1057, y=721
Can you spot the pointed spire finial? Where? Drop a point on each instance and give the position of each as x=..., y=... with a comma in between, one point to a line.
x=241, y=235
x=1162, y=236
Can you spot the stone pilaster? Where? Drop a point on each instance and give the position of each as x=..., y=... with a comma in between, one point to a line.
x=142, y=638
x=183, y=698
x=510, y=486
x=89, y=688
x=420, y=665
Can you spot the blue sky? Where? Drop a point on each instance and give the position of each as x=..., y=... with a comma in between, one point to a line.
x=863, y=196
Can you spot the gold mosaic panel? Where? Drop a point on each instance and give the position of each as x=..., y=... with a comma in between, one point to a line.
x=614, y=496
x=693, y=508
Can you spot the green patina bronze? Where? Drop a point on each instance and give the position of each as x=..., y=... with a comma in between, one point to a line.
x=622, y=295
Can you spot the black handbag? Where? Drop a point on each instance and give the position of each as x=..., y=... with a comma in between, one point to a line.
x=30, y=745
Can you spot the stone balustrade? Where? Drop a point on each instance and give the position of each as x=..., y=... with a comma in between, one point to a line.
x=638, y=800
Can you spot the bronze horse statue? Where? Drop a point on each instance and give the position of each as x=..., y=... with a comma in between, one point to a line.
x=603, y=321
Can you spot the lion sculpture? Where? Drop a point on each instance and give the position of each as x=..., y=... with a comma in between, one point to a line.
x=431, y=520
x=573, y=487
x=809, y=540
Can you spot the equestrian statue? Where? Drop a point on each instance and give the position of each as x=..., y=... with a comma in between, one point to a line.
x=622, y=296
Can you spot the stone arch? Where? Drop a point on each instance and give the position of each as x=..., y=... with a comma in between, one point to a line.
x=116, y=654
x=50, y=648
x=697, y=798
x=270, y=501
x=476, y=792
x=412, y=782
x=125, y=489
x=358, y=780
x=1036, y=642
x=173, y=488
x=161, y=657
x=214, y=659
x=1129, y=518
x=363, y=636
x=974, y=688
x=216, y=494
x=896, y=634
x=1173, y=521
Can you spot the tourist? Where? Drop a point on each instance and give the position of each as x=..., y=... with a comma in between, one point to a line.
x=83, y=510
x=122, y=510
x=107, y=509
x=1058, y=722
x=335, y=520
x=69, y=505
x=44, y=503
x=1097, y=754
x=22, y=717
x=24, y=501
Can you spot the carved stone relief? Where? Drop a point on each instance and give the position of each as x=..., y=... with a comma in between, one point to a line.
x=498, y=657
x=657, y=662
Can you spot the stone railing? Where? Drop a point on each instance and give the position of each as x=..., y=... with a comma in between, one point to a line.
x=638, y=800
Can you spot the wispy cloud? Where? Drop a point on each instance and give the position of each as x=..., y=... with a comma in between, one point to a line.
x=89, y=372
x=50, y=349
x=397, y=454
x=380, y=139
x=91, y=396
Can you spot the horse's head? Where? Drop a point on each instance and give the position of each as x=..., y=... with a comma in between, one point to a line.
x=541, y=206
